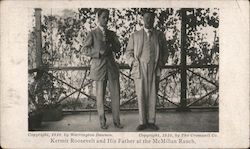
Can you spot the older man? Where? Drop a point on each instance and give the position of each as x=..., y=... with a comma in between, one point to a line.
x=100, y=44
x=145, y=53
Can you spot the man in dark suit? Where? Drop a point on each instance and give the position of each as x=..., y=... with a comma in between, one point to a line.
x=100, y=45
x=146, y=51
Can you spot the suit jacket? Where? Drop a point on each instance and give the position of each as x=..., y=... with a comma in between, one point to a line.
x=102, y=64
x=135, y=47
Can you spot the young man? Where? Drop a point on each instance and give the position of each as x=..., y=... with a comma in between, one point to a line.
x=100, y=44
x=145, y=54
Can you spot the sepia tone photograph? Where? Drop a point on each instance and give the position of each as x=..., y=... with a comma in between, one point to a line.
x=123, y=69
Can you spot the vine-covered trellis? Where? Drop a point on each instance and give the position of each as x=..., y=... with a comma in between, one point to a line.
x=189, y=78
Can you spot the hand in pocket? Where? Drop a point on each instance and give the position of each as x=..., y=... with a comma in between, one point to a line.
x=135, y=72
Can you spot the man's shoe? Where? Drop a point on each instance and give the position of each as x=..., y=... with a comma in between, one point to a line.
x=153, y=126
x=104, y=126
x=141, y=127
x=118, y=125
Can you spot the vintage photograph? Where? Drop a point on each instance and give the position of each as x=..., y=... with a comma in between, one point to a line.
x=123, y=69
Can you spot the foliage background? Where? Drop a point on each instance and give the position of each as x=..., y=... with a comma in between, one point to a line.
x=64, y=30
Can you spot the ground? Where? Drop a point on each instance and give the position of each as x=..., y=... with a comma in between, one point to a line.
x=168, y=121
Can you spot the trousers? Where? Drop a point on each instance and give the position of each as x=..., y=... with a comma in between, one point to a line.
x=146, y=90
x=114, y=89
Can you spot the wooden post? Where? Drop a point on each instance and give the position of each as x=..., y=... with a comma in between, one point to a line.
x=183, y=102
x=38, y=38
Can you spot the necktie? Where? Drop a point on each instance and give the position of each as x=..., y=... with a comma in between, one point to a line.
x=149, y=33
x=105, y=39
x=105, y=36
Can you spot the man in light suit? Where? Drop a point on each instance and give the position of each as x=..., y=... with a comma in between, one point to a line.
x=145, y=53
x=100, y=44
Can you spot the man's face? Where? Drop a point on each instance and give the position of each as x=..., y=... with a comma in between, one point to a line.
x=103, y=19
x=148, y=19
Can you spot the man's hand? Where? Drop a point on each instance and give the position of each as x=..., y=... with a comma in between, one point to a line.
x=134, y=63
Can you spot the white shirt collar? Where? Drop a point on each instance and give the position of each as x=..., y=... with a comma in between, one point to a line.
x=102, y=29
x=147, y=30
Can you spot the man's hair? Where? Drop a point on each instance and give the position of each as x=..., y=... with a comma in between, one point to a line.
x=147, y=10
x=100, y=11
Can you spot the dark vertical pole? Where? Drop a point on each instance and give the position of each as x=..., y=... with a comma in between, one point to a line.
x=38, y=37
x=39, y=63
x=183, y=102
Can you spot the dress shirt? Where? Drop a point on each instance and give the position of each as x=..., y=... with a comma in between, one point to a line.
x=148, y=31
